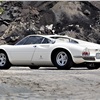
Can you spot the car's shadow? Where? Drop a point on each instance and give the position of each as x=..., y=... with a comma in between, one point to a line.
x=48, y=68
x=54, y=68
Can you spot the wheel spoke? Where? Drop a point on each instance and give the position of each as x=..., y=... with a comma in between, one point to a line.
x=59, y=60
x=62, y=56
x=64, y=62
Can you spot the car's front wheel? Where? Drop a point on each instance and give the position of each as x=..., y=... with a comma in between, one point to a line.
x=4, y=61
x=62, y=59
x=93, y=65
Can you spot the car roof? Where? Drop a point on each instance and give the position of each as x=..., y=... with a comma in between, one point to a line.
x=48, y=36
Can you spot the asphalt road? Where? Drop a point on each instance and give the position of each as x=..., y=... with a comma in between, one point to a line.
x=22, y=83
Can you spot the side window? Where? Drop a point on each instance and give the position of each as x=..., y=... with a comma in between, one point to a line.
x=21, y=42
x=73, y=41
x=34, y=40
x=45, y=40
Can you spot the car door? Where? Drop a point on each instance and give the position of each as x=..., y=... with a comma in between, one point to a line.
x=22, y=54
x=42, y=53
x=23, y=51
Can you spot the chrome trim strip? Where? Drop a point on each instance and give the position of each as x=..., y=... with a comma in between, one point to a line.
x=83, y=56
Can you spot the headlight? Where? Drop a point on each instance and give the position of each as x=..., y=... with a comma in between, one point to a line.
x=86, y=52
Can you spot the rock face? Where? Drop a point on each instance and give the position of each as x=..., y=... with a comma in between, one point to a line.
x=79, y=19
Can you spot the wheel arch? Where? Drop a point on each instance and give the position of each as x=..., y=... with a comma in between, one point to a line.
x=2, y=50
x=57, y=49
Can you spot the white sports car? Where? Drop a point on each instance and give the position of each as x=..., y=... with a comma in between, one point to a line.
x=50, y=50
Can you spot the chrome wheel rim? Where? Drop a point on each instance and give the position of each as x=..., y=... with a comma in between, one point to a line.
x=61, y=58
x=2, y=59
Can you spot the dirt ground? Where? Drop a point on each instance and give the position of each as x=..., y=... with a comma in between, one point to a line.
x=22, y=83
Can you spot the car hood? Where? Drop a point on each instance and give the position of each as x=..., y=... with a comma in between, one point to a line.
x=5, y=46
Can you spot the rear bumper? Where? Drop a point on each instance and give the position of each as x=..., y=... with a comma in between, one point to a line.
x=89, y=58
x=81, y=59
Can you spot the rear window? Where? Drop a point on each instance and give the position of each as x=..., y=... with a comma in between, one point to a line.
x=65, y=39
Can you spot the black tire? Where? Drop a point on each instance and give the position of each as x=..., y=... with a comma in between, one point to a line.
x=34, y=67
x=93, y=65
x=65, y=62
x=4, y=61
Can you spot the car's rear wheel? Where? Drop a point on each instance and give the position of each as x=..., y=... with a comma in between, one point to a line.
x=62, y=60
x=93, y=65
x=34, y=67
x=4, y=61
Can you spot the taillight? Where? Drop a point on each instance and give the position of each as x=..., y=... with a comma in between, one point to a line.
x=86, y=52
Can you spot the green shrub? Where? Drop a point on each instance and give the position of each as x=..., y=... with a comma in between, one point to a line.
x=1, y=10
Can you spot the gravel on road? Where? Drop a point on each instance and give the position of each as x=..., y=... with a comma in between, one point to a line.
x=22, y=83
